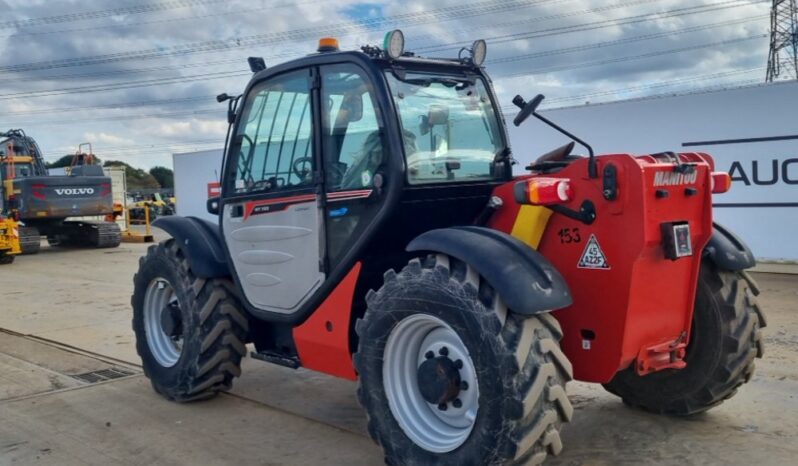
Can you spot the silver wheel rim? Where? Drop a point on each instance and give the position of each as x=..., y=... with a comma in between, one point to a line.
x=424, y=423
x=164, y=348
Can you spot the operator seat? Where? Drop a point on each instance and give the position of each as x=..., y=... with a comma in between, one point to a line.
x=369, y=159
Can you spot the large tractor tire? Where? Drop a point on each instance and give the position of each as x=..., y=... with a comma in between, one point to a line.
x=30, y=240
x=449, y=376
x=6, y=258
x=725, y=339
x=190, y=332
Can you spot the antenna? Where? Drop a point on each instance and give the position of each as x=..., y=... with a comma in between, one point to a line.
x=783, y=57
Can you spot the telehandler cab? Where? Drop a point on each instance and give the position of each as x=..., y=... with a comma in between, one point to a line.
x=370, y=228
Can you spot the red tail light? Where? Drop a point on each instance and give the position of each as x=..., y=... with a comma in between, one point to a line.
x=721, y=182
x=543, y=191
x=106, y=189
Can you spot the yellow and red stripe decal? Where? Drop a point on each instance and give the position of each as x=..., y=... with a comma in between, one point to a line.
x=348, y=195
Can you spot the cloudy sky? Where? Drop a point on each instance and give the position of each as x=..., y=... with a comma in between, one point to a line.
x=137, y=79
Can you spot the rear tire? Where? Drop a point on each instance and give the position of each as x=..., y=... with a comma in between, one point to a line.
x=200, y=353
x=725, y=339
x=520, y=372
x=6, y=258
x=30, y=240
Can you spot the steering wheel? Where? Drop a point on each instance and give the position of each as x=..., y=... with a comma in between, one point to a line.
x=302, y=167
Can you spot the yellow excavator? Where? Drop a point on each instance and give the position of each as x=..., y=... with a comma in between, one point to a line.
x=9, y=240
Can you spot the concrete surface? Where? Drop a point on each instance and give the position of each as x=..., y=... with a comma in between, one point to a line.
x=68, y=313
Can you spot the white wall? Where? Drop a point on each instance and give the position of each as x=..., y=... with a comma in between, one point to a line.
x=193, y=172
x=768, y=217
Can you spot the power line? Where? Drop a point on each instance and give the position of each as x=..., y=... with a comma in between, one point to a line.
x=571, y=66
x=581, y=48
x=436, y=15
x=97, y=14
x=645, y=87
x=22, y=34
x=126, y=85
x=153, y=149
x=191, y=78
x=297, y=53
x=185, y=113
x=112, y=106
x=678, y=12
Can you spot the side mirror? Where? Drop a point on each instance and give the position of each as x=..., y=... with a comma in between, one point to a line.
x=212, y=205
x=437, y=115
x=527, y=108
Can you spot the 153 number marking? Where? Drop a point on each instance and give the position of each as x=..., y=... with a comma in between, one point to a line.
x=569, y=236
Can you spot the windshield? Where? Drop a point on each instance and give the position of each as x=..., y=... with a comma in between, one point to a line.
x=451, y=132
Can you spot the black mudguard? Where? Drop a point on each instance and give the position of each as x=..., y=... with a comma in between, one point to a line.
x=526, y=281
x=727, y=251
x=201, y=242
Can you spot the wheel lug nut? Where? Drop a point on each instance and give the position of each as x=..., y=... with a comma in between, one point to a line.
x=443, y=407
x=457, y=403
x=463, y=385
x=429, y=355
x=444, y=351
x=458, y=364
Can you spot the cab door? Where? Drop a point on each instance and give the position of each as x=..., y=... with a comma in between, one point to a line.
x=271, y=214
x=355, y=157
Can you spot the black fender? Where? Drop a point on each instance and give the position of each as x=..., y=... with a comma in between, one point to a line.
x=200, y=241
x=727, y=251
x=526, y=281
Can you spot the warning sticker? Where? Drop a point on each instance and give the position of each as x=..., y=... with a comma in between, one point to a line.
x=593, y=257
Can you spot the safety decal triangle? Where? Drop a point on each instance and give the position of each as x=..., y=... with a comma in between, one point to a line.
x=593, y=257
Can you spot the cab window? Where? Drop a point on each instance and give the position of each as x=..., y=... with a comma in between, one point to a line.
x=273, y=143
x=450, y=129
x=353, y=136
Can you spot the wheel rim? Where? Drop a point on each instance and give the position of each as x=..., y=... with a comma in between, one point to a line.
x=427, y=424
x=159, y=298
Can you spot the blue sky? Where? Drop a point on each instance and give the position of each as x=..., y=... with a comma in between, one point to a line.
x=137, y=79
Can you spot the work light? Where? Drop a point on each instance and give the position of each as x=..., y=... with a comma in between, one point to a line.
x=394, y=43
x=478, y=52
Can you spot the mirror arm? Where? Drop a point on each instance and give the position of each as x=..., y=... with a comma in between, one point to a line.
x=592, y=167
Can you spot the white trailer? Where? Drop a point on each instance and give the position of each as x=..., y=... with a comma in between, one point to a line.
x=196, y=177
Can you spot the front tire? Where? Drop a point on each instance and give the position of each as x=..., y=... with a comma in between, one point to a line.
x=440, y=313
x=6, y=258
x=725, y=338
x=190, y=332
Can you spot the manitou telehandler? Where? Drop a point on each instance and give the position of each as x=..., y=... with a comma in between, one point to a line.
x=43, y=202
x=370, y=228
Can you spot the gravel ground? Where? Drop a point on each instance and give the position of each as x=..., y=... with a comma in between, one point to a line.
x=66, y=312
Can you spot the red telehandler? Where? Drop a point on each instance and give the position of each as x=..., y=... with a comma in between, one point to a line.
x=370, y=227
